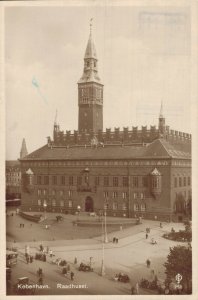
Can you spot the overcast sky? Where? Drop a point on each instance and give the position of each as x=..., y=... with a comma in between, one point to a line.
x=144, y=58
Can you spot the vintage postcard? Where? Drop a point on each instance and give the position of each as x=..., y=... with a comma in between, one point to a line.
x=99, y=100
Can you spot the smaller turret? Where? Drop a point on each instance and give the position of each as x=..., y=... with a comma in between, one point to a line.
x=162, y=125
x=56, y=127
x=23, y=151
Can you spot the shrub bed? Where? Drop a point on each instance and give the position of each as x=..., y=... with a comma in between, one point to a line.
x=180, y=236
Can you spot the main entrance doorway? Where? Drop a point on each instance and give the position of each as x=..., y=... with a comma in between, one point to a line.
x=89, y=204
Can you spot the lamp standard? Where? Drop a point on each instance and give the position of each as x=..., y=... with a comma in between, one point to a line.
x=105, y=224
x=102, y=266
x=45, y=206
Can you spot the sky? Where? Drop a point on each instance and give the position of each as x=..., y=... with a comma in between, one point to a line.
x=144, y=56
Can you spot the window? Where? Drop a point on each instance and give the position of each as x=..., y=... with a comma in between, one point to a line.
x=145, y=181
x=175, y=181
x=124, y=195
x=125, y=181
x=87, y=63
x=142, y=195
x=135, y=195
x=61, y=193
x=54, y=180
x=70, y=193
x=46, y=180
x=124, y=206
x=53, y=192
x=189, y=180
x=97, y=180
x=115, y=205
x=115, y=194
x=180, y=181
x=62, y=180
x=115, y=181
x=135, y=181
x=39, y=202
x=71, y=180
x=143, y=207
x=70, y=203
x=79, y=180
x=106, y=181
x=39, y=192
x=44, y=192
x=61, y=203
x=155, y=182
x=39, y=179
x=53, y=202
x=106, y=205
x=136, y=207
x=184, y=181
x=106, y=194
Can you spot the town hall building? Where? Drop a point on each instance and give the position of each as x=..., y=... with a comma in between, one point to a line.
x=128, y=173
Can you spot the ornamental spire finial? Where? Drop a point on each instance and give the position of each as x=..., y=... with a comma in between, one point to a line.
x=55, y=120
x=91, y=24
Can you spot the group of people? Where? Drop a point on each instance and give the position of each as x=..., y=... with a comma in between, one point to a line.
x=115, y=240
x=29, y=258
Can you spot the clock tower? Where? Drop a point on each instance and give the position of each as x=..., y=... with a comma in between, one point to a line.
x=90, y=92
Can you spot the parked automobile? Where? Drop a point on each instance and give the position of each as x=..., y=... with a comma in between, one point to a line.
x=85, y=267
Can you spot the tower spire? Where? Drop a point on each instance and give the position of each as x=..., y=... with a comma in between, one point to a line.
x=23, y=151
x=161, y=110
x=56, y=115
x=162, y=122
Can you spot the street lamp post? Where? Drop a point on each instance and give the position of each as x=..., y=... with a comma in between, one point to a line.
x=105, y=225
x=102, y=266
x=45, y=206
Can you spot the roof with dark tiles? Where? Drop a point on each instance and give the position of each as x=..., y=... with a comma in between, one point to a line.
x=157, y=149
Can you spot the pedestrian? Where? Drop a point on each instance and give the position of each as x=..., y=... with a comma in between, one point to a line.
x=68, y=268
x=31, y=259
x=117, y=241
x=72, y=275
x=51, y=253
x=113, y=240
x=40, y=280
x=44, y=257
x=75, y=260
x=27, y=259
x=133, y=290
x=41, y=248
x=146, y=236
x=47, y=249
x=148, y=263
x=160, y=225
x=64, y=271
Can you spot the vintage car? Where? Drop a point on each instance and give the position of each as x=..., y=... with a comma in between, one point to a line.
x=85, y=267
x=122, y=277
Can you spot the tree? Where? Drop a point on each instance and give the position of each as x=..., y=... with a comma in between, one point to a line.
x=179, y=261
